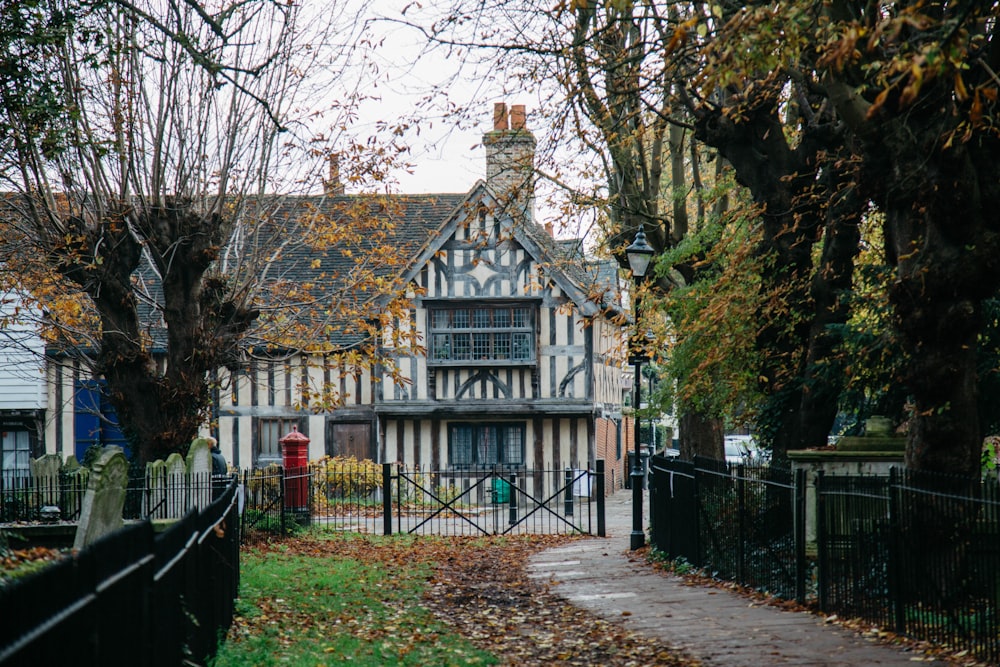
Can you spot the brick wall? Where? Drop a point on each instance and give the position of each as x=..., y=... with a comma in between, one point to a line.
x=608, y=447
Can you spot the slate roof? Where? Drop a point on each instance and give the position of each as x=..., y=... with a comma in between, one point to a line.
x=415, y=219
x=414, y=222
x=419, y=225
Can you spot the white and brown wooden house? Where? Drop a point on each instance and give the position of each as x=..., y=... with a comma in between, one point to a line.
x=522, y=346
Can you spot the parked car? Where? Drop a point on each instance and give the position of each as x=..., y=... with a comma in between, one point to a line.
x=743, y=449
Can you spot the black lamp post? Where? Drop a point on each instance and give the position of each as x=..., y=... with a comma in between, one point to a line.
x=639, y=255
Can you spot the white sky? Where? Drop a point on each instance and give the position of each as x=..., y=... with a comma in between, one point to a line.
x=445, y=158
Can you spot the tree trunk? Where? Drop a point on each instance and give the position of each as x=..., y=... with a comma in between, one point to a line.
x=940, y=206
x=938, y=303
x=701, y=436
x=798, y=302
x=160, y=409
x=822, y=375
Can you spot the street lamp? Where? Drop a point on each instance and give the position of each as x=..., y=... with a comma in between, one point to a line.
x=639, y=255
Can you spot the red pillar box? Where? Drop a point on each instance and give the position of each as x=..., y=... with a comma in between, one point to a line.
x=295, y=458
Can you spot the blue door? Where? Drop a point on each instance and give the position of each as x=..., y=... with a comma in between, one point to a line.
x=94, y=419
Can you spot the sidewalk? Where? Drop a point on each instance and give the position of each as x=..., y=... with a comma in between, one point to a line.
x=716, y=626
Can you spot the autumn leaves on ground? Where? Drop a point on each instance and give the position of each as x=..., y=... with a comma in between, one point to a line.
x=400, y=601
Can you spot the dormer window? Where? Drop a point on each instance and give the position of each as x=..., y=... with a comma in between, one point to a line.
x=480, y=333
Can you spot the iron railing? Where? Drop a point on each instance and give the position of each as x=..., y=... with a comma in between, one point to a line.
x=496, y=501
x=738, y=522
x=131, y=598
x=386, y=498
x=918, y=554
x=915, y=553
x=30, y=499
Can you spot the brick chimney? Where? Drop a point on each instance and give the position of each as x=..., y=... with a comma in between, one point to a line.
x=332, y=186
x=510, y=160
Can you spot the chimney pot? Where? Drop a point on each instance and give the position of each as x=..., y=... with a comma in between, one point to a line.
x=500, y=116
x=517, y=117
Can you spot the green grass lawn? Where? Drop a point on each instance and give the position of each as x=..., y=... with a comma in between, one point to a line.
x=340, y=600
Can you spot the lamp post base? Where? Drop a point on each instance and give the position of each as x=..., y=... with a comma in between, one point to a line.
x=637, y=539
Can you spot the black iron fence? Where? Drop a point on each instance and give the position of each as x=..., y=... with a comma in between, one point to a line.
x=132, y=598
x=362, y=496
x=349, y=495
x=25, y=498
x=917, y=554
x=31, y=499
x=495, y=501
x=742, y=523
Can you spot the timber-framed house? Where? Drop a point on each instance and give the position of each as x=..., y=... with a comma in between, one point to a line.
x=520, y=356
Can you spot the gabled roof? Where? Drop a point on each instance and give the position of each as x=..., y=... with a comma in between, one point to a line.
x=271, y=245
x=592, y=286
x=415, y=220
x=418, y=226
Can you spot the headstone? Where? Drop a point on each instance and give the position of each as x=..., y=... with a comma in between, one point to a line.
x=45, y=475
x=75, y=478
x=199, y=469
x=176, y=486
x=71, y=465
x=105, y=498
x=154, y=501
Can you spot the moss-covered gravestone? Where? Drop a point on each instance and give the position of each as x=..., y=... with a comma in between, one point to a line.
x=45, y=471
x=105, y=498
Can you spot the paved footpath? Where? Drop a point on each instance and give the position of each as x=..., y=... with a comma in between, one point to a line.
x=716, y=626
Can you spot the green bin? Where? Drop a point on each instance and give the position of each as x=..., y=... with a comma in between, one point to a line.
x=501, y=490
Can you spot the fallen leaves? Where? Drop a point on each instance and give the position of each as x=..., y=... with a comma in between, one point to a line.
x=475, y=587
x=16, y=563
x=485, y=595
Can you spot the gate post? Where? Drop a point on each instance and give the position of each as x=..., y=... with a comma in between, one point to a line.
x=387, y=499
x=600, y=497
x=513, y=498
x=821, y=542
x=281, y=490
x=741, y=511
x=568, y=492
x=799, y=493
x=895, y=551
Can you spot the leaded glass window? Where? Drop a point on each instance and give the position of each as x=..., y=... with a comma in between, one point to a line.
x=495, y=333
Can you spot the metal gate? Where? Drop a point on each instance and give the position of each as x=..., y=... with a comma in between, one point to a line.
x=494, y=501
x=392, y=498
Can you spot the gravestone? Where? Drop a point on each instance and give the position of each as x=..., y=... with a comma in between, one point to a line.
x=154, y=501
x=177, y=486
x=45, y=473
x=76, y=478
x=199, y=469
x=105, y=498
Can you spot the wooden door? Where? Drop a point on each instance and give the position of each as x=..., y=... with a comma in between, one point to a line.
x=350, y=439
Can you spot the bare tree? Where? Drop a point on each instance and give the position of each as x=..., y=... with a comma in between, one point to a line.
x=146, y=155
